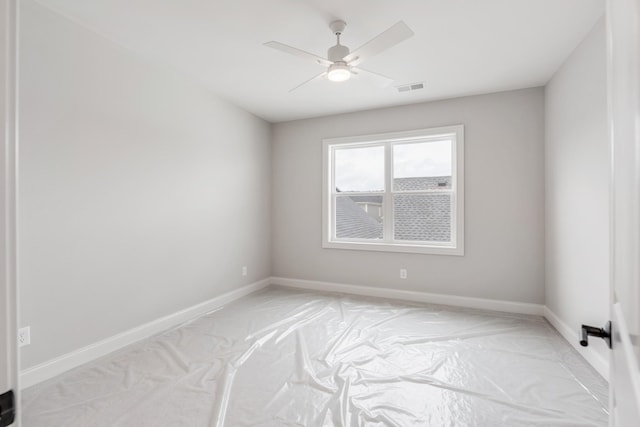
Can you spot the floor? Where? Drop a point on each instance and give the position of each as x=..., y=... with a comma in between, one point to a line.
x=292, y=358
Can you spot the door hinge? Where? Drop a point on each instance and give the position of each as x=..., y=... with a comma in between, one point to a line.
x=7, y=409
x=604, y=333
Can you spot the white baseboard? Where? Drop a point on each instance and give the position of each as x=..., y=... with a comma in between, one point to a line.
x=594, y=358
x=479, y=303
x=53, y=367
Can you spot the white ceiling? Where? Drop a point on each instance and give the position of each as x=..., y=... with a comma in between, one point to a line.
x=460, y=47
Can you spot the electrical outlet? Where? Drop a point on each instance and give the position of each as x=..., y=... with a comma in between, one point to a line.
x=403, y=273
x=244, y=270
x=24, y=336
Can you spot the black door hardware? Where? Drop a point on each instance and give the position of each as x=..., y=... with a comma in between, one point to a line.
x=7, y=409
x=604, y=333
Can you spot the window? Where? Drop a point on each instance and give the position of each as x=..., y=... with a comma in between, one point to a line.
x=397, y=192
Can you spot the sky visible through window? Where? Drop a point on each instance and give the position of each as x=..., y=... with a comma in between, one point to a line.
x=362, y=169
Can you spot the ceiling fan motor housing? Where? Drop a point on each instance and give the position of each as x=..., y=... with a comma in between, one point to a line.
x=337, y=52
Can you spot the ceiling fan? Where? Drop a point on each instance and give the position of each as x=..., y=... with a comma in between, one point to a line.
x=341, y=64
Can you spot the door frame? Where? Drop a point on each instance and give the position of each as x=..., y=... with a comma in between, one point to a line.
x=623, y=64
x=9, y=360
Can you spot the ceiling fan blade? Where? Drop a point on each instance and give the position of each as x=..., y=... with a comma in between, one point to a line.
x=389, y=38
x=379, y=80
x=297, y=52
x=319, y=76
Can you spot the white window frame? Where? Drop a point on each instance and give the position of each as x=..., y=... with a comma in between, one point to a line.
x=456, y=247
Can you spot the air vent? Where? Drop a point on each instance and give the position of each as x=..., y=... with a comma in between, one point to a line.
x=410, y=87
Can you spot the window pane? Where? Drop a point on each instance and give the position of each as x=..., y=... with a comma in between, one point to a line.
x=359, y=169
x=422, y=217
x=422, y=166
x=359, y=217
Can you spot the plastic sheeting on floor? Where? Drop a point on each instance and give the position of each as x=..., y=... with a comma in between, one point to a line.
x=291, y=358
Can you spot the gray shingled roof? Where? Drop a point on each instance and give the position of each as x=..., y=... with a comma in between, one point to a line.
x=418, y=217
x=422, y=217
x=422, y=183
x=352, y=222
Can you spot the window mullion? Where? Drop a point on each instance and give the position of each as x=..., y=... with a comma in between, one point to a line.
x=332, y=192
x=388, y=196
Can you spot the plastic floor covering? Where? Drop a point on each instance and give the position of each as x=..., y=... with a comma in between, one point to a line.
x=292, y=358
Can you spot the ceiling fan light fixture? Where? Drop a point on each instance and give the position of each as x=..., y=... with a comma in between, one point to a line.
x=339, y=72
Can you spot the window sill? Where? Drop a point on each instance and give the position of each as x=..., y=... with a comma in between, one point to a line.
x=393, y=247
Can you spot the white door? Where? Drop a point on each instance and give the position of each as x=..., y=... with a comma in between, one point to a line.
x=8, y=324
x=623, y=22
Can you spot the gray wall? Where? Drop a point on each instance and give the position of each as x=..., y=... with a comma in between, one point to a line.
x=504, y=183
x=577, y=187
x=140, y=193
